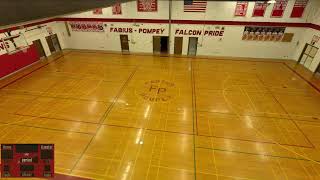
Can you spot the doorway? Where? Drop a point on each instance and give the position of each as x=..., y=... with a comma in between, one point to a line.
x=192, y=47
x=124, y=43
x=53, y=43
x=178, y=45
x=160, y=44
x=164, y=44
x=307, y=55
x=40, y=49
x=156, y=45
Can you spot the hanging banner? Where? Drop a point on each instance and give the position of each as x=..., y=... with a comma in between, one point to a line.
x=298, y=8
x=259, y=9
x=260, y=33
x=116, y=9
x=241, y=8
x=147, y=5
x=279, y=8
x=87, y=26
x=97, y=11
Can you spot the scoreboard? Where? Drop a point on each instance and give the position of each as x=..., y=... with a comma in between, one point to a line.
x=27, y=160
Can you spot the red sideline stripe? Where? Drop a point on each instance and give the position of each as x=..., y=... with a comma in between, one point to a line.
x=165, y=21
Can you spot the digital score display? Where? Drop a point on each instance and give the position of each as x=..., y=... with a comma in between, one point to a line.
x=27, y=160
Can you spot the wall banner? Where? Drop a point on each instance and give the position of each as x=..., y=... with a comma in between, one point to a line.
x=241, y=8
x=147, y=5
x=279, y=8
x=260, y=33
x=259, y=9
x=298, y=8
x=87, y=26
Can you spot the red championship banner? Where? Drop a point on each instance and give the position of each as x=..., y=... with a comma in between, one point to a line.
x=241, y=8
x=147, y=5
x=259, y=9
x=279, y=8
x=97, y=11
x=87, y=26
x=116, y=9
x=298, y=8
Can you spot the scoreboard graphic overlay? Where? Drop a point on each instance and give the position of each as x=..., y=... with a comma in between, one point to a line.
x=27, y=160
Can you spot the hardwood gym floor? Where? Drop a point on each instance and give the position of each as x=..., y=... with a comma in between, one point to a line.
x=164, y=118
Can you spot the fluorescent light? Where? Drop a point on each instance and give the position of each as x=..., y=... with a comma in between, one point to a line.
x=272, y=1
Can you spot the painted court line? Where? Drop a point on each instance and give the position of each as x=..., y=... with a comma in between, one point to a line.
x=256, y=154
x=106, y=124
x=25, y=75
x=47, y=128
x=158, y=130
x=60, y=119
x=261, y=116
x=43, y=95
x=306, y=80
x=194, y=98
x=148, y=129
x=104, y=116
x=253, y=141
x=284, y=109
x=194, y=119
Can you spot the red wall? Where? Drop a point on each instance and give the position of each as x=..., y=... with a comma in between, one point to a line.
x=14, y=62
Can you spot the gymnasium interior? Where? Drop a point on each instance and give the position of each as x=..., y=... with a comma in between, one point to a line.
x=160, y=89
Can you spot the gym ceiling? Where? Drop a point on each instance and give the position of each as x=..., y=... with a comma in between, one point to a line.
x=14, y=12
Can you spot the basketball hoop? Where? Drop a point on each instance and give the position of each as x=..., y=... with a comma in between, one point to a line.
x=15, y=43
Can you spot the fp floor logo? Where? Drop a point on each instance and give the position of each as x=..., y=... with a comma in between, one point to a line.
x=157, y=91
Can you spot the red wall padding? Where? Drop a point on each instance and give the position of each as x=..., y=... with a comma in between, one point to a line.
x=14, y=62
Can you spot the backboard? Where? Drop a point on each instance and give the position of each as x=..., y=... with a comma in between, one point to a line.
x=14, y=43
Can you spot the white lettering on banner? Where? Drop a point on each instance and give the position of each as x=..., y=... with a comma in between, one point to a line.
x=199, y=32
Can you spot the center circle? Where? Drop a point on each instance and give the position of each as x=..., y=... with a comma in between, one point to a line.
x=157, y=91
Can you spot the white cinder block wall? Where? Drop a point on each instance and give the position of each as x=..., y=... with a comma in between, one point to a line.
x=313, y=16
x=229, y=45
x=41, y=34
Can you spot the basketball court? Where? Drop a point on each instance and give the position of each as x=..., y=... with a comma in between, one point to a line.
x=114, y=116
x=162, y=90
